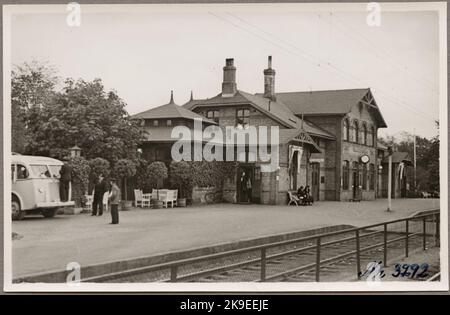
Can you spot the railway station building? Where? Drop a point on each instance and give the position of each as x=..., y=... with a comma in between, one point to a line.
x=327, y=139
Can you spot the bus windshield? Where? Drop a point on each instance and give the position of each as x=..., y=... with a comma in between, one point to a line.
x=40, y=171
x=54, y=169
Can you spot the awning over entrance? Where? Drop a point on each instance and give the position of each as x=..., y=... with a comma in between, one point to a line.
x=299, y=136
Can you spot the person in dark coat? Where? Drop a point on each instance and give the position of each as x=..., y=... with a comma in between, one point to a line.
x=99, y=191
x=114, y=200
x=309, y=198
x=64, y=181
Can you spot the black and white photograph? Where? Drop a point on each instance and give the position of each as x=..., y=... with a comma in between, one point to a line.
x=273, y=147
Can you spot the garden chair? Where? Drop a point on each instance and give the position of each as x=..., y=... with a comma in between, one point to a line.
x=89, y=201
x=164, y=197
x=175, y=198
x=138, y=200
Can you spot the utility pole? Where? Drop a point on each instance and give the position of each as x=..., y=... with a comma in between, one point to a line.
x=415, y=165
x=389, y=180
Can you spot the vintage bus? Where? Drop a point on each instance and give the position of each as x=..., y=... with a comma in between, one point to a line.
x=35, y=186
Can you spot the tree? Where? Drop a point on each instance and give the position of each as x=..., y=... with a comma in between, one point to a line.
x=125, y=169
x=157, y=172
x=83, y=114
x=32, y=87
x=181, y=177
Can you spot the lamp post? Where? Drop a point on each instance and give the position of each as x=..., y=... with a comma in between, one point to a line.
x=75, y=151
x=389, y=180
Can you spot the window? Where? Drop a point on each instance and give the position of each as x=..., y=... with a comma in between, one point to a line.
x=155, y=123
x=213, y=115
x=374, y=136
x=345, y=130
x=40, y=171
x=371, y=176
x=242, y=118
x=364, y=136
x=356, y=132
x=364, y=176
x=169, y=122
x=22, y=172
x=345, y=175
x=369, y=137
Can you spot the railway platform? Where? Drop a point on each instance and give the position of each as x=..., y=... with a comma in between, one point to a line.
x=47, y=245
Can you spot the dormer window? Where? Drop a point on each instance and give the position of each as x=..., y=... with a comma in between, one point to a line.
x=213, y=115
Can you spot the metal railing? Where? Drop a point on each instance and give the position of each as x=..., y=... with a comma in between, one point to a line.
x=174, y=267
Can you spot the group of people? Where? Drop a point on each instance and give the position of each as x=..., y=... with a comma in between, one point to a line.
x=100, y=188
x=114, y=197
x=305, y=196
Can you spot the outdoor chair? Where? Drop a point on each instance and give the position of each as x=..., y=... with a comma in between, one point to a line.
x=138, y=198
x=163, y=196
x=89, y=202
x=175, y=198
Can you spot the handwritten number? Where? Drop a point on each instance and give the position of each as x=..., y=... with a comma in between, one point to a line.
x=424, y=273
x=415, y=268
x=397, y=271
x=405, y=273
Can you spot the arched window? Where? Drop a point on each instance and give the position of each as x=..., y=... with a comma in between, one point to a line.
x=355, y=131
x=374, y=136
x=345, y=175
x=345, y=129
x=364, y=134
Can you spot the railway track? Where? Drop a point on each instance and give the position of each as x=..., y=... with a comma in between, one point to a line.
x=296, y=261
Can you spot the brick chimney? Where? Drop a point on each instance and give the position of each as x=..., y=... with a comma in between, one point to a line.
x=269, y=81
x=229, y=79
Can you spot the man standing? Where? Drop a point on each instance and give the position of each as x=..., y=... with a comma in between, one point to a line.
x=64, y=181
x=114, y=200
x=99, y=191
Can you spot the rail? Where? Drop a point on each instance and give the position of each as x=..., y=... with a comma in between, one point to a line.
x=174, y=266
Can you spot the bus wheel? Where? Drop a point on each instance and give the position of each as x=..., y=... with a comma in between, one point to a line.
x=16, y=212
x=49, y=213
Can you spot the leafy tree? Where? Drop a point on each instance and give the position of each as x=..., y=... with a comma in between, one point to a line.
x=99, y=166
x=84, y=114
x=125, y=169
x=32, y=87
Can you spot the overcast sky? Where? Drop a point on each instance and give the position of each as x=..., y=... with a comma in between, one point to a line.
x=143, y=54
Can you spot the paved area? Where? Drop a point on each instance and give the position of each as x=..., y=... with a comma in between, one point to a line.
x=49, y=244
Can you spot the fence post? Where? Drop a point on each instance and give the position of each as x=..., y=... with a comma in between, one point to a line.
x=358, y=258
x=385, y=245
x=173, y=273
x=318, y=260
x=407, y=238
x=263, y=264
x=424, y=230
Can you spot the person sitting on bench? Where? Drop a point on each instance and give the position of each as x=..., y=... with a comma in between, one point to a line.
x=308, y=198
x=301, y=195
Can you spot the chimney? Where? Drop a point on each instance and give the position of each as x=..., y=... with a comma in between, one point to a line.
x=229, y=78
x=269, y=82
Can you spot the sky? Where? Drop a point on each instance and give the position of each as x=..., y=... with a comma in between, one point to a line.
x=145, y=53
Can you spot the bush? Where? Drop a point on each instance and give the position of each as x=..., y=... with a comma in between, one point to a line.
x=181, y=178
x=80, y=179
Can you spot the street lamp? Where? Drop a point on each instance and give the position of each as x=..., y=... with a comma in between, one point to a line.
x=75, y=151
